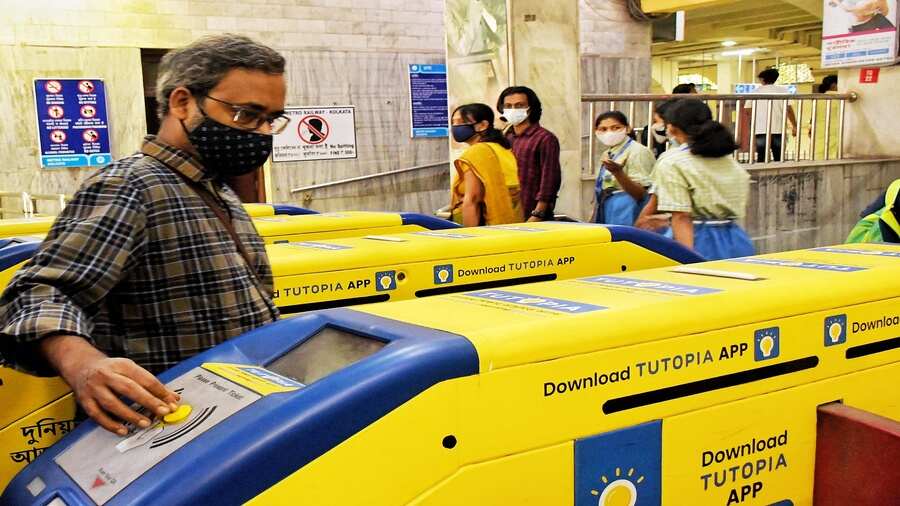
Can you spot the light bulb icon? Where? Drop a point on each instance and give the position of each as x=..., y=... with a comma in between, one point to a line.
x=619, y=493
x=385, y=282
x=622, y=491
x=443, y=275
x=766, y=344
x=834, y=332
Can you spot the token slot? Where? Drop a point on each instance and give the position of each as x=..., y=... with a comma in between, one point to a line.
x=707, y=385
x=500, y=283
x=864, y=350
x=329, y=304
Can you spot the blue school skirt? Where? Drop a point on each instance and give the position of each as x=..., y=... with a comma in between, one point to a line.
x=717, y=240
x=620, y=208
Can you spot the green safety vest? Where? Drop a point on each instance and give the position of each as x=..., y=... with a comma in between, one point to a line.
x=872, y=227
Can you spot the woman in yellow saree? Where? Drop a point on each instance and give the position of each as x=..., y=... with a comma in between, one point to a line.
x=486, y=188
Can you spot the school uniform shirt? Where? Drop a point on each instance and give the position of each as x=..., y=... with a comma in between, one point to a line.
x=638, y=164
x=708, y=188
x=671, y=151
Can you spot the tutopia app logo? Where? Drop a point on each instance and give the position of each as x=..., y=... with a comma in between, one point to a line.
x=767, y=343
x=443, y=274
x=836, y=330
x=654, y=286
x=526, y=300
x=385, y=281
x=779, y=262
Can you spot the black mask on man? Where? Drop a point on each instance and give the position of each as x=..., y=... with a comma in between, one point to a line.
x=227, y=151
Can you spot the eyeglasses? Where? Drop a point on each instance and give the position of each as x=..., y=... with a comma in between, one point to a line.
x=250, y=119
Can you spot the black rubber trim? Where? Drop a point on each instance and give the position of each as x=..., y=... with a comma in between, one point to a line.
x=707, y=385
x=328, y=304
x=865, y=350
x=442, y=290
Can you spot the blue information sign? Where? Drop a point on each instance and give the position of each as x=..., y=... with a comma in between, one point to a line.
x=428, y=95
x=72, y=122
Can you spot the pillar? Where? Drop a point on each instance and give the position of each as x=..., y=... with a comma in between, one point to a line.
x=493, y=44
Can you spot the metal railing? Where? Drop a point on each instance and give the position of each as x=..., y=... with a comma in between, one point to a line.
x=367, y=177
x=740, y=114
x=28, y=203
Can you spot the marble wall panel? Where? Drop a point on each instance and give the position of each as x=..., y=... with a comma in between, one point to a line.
x=120, y=68
x=377, y=84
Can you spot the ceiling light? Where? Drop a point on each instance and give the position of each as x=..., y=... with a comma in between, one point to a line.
x=729, y=43
x=741, y=52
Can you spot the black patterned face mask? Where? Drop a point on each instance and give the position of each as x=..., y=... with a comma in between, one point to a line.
x=228, y=151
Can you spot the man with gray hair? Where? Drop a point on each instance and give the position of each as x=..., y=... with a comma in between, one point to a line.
x=155, y=259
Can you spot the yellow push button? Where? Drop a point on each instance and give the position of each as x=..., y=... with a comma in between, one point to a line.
x=179, y=414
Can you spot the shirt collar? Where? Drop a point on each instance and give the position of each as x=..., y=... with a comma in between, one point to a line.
x=174, y=158
x=531, y=130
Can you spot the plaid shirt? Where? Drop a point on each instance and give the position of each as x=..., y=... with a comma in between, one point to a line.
x=537, y=152
x=140, y=266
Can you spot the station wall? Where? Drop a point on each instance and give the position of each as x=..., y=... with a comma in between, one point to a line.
x=340, y=52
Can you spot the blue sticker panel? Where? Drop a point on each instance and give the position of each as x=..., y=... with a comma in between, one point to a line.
x=517, y=228
x=866, y=252
x=385, y=281
x=319, y=245
x=428, y=100
x=777, y=262
x=443, y=274
x=836, y=330
x=625, y=464
x=654, y=286
x=271, y=377
x=535, y=301
x=767, y=343
x=444, y=235
x=72, y=122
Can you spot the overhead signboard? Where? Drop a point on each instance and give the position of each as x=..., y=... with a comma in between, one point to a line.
x=72, y=122
x=859, y=32
x=744, y=88
x=317, y=133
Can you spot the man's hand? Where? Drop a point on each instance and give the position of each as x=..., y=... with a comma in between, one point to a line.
x=533, y=219
x=98, y=381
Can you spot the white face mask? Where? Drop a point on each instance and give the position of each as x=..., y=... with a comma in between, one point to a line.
x=611, y=139
x=659, y=132
x=515, y=116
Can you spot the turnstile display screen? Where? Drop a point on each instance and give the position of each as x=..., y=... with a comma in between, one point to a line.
x=327, y=351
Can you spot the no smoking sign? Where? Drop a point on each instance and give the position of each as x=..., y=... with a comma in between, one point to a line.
x=313, y=129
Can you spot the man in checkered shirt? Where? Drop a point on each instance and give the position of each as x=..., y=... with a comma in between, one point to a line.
x=155, y=259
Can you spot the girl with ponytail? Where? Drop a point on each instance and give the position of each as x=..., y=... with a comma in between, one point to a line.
x=486, y=189
x=701, y=184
